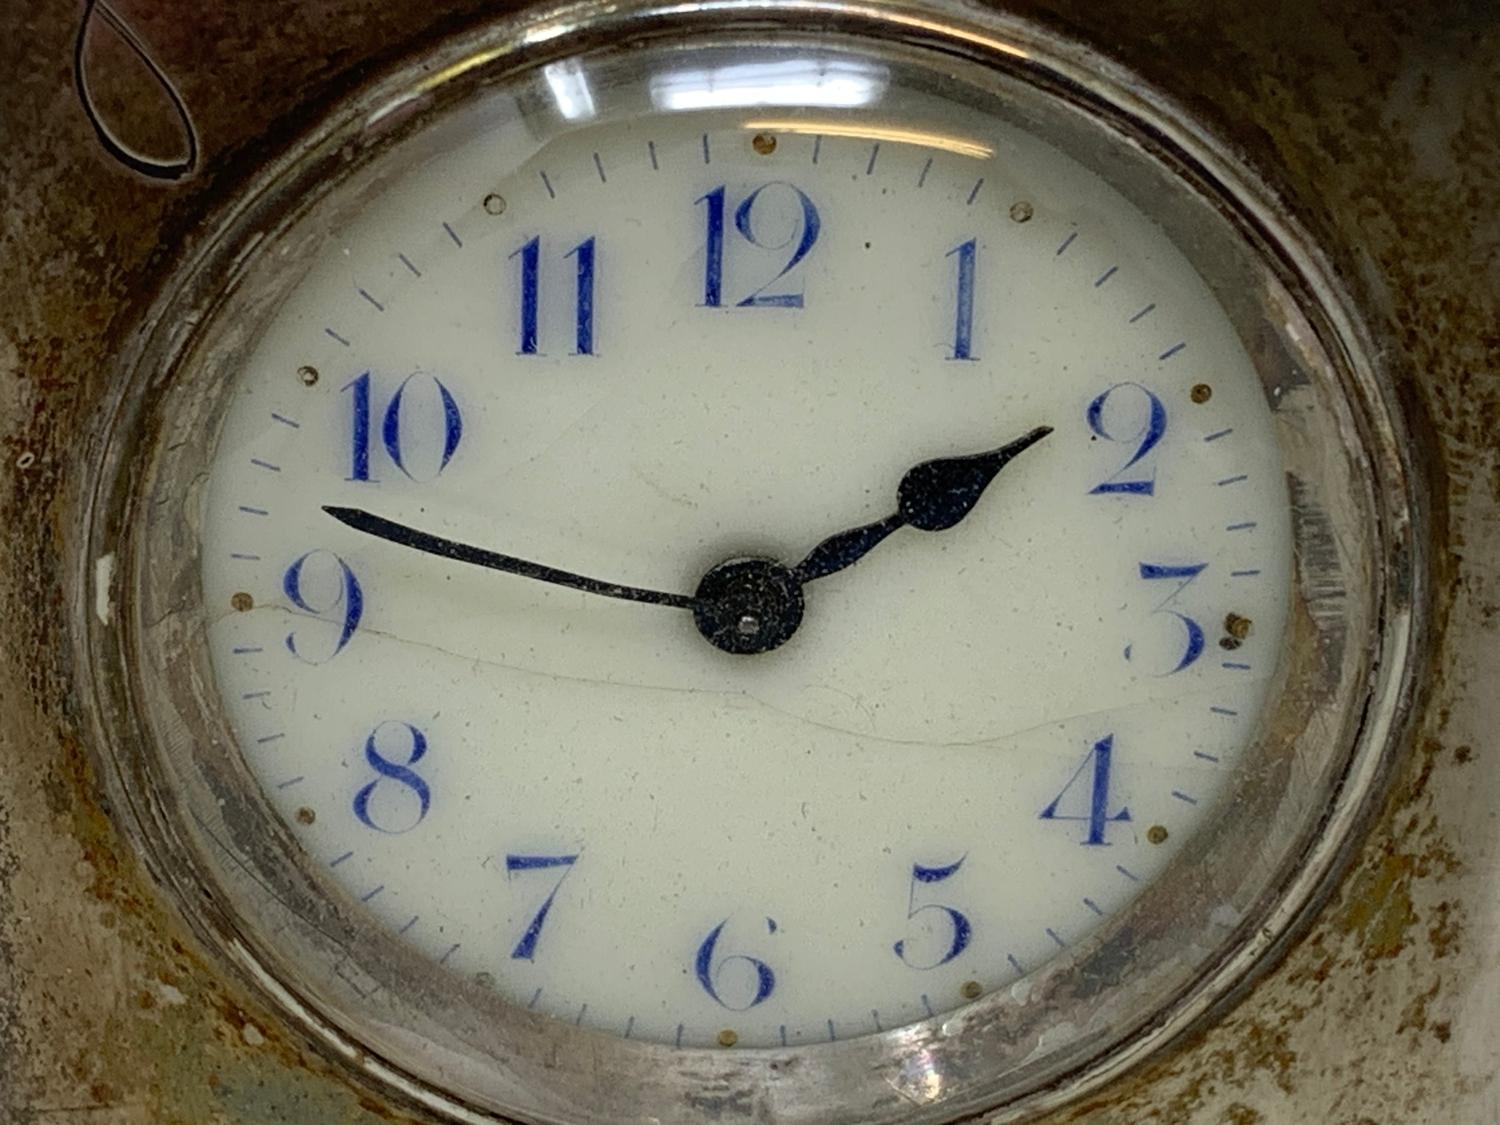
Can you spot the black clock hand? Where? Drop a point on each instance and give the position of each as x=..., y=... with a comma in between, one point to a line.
x=405, y=536
x=932, y=496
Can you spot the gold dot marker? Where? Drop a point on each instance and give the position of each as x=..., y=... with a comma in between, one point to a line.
x=763, y=143
x=972, y=990
x=1156, y=834
x=1021, y=211
x=728, y=1038
x=1201, y=393
x=305, y=815
x=308, y=375
x=494, y=203
x=242, y=602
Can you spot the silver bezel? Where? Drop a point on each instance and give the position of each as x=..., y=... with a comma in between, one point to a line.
x=1343, y=687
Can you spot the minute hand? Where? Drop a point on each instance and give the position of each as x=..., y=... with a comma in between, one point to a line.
x=932, y=496
x=398, y=533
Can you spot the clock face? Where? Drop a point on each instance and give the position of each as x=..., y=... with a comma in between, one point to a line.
x=722, y=775
x=656, y=563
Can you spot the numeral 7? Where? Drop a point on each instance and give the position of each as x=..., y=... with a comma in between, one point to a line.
x=525, y=949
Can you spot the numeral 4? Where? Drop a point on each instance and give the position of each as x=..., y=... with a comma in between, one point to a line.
x=1094, y=774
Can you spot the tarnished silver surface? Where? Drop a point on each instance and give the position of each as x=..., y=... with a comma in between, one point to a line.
x=1377, y=130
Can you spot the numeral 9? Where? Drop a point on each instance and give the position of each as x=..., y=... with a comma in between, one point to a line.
x=344, y=608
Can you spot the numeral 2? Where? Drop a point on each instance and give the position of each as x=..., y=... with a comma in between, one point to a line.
x=805, y=234
x=1153, y=426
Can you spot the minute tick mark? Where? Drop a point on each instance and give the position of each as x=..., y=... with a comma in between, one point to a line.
x=1066, y=243
x=974, y=192
x=366, y=295
x=336, y=336
x=546, y=183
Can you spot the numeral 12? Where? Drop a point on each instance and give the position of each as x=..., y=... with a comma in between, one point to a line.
x=583, y=307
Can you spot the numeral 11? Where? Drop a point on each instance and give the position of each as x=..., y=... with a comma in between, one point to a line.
x=531, y=269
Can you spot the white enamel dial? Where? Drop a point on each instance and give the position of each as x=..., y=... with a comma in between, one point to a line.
x=582, y=339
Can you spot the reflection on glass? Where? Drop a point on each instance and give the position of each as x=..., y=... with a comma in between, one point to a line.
x=795, y=82
x=962, y=146
x=570, y=89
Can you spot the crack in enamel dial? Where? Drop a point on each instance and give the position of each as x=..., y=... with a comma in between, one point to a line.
x=664, y=345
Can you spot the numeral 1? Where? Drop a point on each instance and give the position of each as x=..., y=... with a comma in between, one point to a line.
x=963, y=320
x=713, y=253
x=531, y=277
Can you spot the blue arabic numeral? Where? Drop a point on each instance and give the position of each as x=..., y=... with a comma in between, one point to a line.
x=531, y=263
x=525, y=949
x=708, y=972
x=360, y=393
x=713, y=249
x=391, y=431
x=531, y=279
x=963, y=323
x=809, y=225
x=1193, y=648
x=1096, y=764
x=401, y=773
x=961, y=929
x=804, y=233
x=583, y=337
x=344, y=609
x=453, y=428
x=1146, y=438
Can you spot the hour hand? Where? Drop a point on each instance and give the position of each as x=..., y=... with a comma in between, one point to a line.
x=932, y=496
x=937, y=494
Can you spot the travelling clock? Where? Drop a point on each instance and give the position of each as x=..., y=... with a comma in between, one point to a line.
x=799, y=562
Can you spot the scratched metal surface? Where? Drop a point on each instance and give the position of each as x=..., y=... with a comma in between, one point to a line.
x=1378, y=122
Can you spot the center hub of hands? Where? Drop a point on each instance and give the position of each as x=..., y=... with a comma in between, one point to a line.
x=745, y=606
